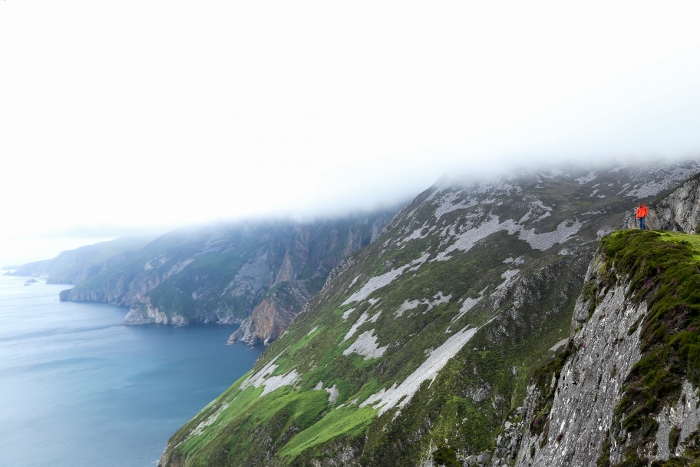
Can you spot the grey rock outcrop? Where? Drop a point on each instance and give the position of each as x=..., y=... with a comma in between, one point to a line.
x=272, y=315
x=581, y=426
x=677, y=212
x=680, y=211
x=589, y=386
x=677, y=423
x=144, y=313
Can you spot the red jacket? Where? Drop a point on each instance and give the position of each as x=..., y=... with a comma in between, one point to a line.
x=642, y=211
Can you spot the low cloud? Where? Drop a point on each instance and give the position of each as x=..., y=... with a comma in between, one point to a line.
x=237, y=112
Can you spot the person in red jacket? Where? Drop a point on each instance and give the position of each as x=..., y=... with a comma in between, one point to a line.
x=642, y=212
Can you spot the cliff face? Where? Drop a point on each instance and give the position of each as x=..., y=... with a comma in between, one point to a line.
x=424, y=342
x=271, y=317
x=680, y=211
x=625, y=390
x=570, y=430
x=259, y=273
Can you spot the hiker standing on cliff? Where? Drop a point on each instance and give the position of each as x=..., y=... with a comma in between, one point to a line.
x=642, y=212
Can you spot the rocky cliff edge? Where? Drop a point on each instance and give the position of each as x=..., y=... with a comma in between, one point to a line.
x=624, y=391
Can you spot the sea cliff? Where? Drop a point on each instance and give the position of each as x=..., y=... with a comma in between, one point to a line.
x=421, y=349
x=259, y=274
x=625, y=389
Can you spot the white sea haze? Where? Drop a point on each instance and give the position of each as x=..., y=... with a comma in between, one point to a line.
x=78, y=389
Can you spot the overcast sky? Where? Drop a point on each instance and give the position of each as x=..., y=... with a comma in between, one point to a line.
x=116, y=116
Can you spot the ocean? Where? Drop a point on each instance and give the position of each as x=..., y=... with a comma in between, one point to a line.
x=79, y=389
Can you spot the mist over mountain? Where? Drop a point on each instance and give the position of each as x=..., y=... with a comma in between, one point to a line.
x=422, y=347
x=260, y=273
x=234, y=111
x=81, y=264
x=261, y=156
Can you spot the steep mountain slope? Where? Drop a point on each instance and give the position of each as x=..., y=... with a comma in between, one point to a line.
x=77, y=266
x=423, y=343
x=625, y=390
x=224, y=273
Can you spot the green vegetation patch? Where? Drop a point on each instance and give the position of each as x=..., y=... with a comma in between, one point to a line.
x=343, y=422
x=445, y=455
x=238, y=402
x=231, y=437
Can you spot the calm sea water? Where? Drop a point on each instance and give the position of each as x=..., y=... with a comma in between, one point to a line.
x=78, y=389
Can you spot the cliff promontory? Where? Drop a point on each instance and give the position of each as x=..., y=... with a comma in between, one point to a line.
x=625, y=389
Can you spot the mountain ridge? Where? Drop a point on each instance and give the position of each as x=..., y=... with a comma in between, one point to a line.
x=423, y=345
x=78, y=265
